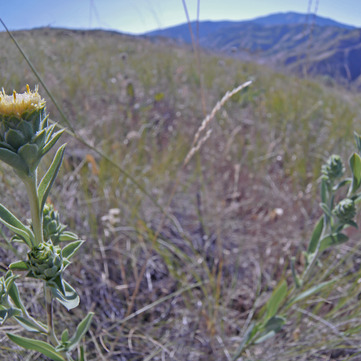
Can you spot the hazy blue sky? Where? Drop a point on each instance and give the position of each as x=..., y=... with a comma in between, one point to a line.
x=138, y=16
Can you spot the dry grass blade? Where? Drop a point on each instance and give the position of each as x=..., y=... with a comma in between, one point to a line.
x=198, y=146
x=153, y=304
x=197, y=141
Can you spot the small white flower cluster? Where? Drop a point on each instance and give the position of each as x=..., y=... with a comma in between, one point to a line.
x=111, y=220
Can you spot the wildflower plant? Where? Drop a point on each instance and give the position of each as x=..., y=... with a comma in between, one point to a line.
x=25, y=137
x=329, y=232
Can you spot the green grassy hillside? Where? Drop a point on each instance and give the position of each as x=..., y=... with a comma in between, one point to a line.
x=177, y=257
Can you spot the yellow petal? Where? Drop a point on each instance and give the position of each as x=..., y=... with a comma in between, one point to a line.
x=18, y=104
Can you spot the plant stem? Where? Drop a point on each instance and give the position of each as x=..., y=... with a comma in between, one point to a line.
x=32, y=191
x=49, y=313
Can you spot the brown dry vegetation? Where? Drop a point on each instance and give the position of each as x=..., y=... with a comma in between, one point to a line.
x=175, y=277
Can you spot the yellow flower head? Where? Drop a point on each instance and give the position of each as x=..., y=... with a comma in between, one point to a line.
x=19, y=104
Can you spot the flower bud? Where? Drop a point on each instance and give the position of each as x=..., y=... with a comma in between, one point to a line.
x=45, y=261
x=52, y=227
x=345, y=211
x=333, y=168
x=25, y=135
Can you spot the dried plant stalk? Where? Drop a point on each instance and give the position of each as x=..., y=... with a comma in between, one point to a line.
x=197, y=141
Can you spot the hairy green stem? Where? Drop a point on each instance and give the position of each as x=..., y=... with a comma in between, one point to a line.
x=49, y=314
x=36, y=217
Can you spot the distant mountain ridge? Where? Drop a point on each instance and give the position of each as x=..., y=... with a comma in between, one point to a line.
x=292, y=18
x=304, y=43
x=208, y=27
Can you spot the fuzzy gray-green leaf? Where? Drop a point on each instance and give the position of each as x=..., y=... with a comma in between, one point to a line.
x=67, y=236
x=19, y=266
x=36, y=345
x=324, y=191
x=332, y=240
x=276, y=299
x=13, y=160
x=14, y=224
x=49, y=132
x=309, y=292
x=65, y=336
x=6, y=313
x=326, y=209
x=81, y=330
x=52, y=141
x=265, y=337
x=70, y=299
x=49, y=177
x=69, y=250
x=31, y=325
x=29, y=152
x=273, y=325
x=39, y=138
x=316, y=234
x=15, y=297
x=355, y=164
x=15, y=138
x=250, y=332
